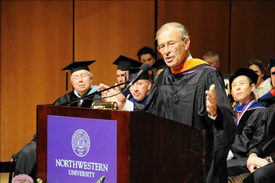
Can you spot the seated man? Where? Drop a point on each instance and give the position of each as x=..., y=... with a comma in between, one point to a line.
x=141, y=88
x=122, y=73
x=242, y=85
x=82, y=81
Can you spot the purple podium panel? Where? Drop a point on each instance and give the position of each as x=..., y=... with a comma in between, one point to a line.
x=81, y=150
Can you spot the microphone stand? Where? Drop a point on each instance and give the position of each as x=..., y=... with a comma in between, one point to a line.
x=93, y=94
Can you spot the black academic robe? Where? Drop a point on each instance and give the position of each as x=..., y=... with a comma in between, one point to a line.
x=242, y=143
x=181, y=98
x=256, y=128
x=70, y=99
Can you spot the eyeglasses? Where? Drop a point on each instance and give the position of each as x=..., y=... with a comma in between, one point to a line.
x=170, y=44
x=82, y=76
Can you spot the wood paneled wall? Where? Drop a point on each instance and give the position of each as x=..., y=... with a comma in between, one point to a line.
x=37, y=42
x=253, y=32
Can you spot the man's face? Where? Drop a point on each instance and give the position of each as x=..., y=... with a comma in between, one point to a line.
x=258, y=71
x=81, y=81
x=175, y=50
x=121, y=76
x=212, y=62
x=272, y=73
x=148, y=59
x=241, y=90
x=140, y=89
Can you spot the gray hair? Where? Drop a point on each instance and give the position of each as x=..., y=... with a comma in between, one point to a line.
x=182, y=30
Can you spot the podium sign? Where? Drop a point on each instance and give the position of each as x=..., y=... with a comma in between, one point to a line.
x=81, y=149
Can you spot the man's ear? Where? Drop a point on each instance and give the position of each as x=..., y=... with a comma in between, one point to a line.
x=253, y=87
x=186, y=43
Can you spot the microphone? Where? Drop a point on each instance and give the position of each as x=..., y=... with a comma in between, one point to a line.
x=143, y=68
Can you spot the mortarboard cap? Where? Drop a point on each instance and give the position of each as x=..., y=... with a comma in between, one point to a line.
x=75, y=66
x=159, y=64
x=133, y=71
x=246, y=72
x=271, y=62
x=125, y=63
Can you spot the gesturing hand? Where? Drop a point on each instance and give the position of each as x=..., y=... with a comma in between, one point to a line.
x=211, y=100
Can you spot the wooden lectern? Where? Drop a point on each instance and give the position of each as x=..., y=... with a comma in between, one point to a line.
x=149, y=148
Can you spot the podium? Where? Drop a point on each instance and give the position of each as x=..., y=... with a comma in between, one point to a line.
x=148, y=148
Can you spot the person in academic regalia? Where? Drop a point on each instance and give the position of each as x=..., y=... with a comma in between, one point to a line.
x=82, y=83
x=190, y=92
x=141, y=88
x=258, y=141
x=242, y=85
x=122, y=73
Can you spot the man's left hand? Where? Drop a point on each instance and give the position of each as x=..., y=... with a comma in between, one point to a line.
x=211, y=101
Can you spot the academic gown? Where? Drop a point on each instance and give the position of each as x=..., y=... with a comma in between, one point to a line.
x=69, y=98
x=181, y=98
x=241, y=122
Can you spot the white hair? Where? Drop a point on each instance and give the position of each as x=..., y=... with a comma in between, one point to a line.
x=182, y=30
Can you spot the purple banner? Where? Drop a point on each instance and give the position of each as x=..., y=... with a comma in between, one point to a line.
x=81, y=150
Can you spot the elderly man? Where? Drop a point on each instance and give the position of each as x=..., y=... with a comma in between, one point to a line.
x=141, y=88
x=181, y=94
x=82, y=81
x=212, y=58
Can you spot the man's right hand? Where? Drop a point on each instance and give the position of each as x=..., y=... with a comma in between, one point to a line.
x=120, y=98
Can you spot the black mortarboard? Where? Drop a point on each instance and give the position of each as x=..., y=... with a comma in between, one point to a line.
x=133, y=71
x=246, y=72
x=159, y=64
x=124, y=63
x=271, y=62
x=75, y=66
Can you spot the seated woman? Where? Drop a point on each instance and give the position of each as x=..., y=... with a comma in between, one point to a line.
x=263, y=85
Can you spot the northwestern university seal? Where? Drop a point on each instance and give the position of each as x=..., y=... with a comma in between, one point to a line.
x=81, y=143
